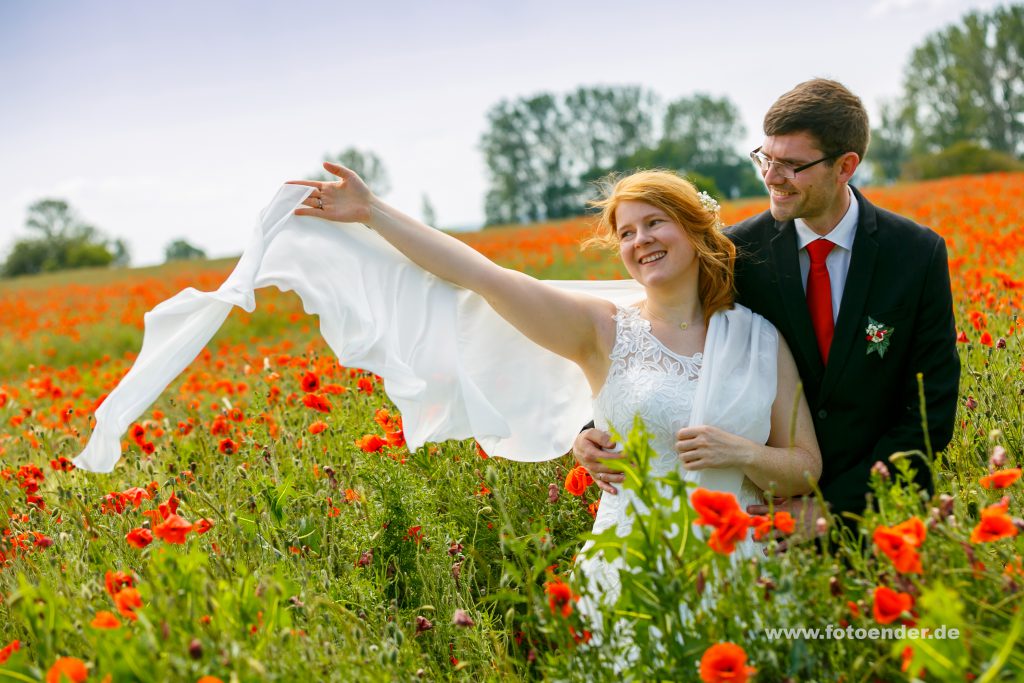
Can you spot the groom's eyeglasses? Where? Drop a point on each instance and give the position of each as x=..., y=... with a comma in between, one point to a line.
x=784, y=169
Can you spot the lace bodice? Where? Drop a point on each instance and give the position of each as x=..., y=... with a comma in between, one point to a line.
x=647, y=379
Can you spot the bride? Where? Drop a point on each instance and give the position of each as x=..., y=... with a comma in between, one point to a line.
x=732, y=432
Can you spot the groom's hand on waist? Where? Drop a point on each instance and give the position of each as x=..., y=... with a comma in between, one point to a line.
x=590, y=447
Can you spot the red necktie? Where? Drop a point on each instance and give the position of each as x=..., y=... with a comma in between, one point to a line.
x=819, y=295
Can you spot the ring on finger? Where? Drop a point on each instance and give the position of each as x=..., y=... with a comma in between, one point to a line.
x=319, y=203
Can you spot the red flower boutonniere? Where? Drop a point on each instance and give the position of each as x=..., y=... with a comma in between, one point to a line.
x=878, y=336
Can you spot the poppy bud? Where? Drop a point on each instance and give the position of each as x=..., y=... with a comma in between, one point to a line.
x=1000, y=343
x=365, y=559
x=423, y=624
x=946, y=502
x=701, y=582
x=552, y=493
x=970, y=403
x=998, y=458
x=195, y=649
x=460, y=618
x=834, y=587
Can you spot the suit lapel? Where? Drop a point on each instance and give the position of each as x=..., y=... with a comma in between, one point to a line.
x=855, y=294
x=794, y=300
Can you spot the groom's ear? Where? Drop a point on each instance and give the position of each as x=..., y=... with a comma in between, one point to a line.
x=848, y=164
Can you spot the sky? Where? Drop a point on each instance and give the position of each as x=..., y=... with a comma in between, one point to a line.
x=159, y=121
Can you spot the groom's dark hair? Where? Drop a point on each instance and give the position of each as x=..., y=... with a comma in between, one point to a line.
x=825, y=109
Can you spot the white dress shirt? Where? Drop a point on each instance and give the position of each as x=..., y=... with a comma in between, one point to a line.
x=838, y=260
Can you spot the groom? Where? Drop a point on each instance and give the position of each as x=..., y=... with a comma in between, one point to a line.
x=861, y=295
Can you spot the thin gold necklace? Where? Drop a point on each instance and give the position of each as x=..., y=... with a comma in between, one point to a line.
x=682, y=326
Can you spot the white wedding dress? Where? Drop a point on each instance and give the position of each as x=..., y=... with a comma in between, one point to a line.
x=648, y=380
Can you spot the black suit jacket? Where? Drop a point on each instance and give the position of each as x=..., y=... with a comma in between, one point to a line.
x=865, y=407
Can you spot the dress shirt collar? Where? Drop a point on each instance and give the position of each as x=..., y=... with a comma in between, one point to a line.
x=842, y=235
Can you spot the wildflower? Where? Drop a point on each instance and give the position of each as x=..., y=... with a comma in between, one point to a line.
x=414, y=533
x=127, y=601
x=370, y=443
x=8, y=650
x=105, y=620
x=994, y=525
x=560, y=597
x=725, y=536
x=890, y=604
x=139, y=537
x=317, y=427
x=986, y=339
x=423, y=624
x=899, y=544
x=1000, y=479
x=67, y=669
x=460, y=618
x=173, y=529
x=115, y=581
x=228, y=446
x=365, y=385
x=317, y=402
x=713, y=507
x=310, y=383
x=577, y=480
x=202, y=526
x=725, y=663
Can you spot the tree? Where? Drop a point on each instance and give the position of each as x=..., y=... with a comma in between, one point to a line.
x=966, y=82
x=64, y=241
x=538, y=148
x=181, y=250
x=891, y=140
x=365, y=163
x=698, y=140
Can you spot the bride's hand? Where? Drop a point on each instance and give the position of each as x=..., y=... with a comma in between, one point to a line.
x=706, y=447
x=346, y=200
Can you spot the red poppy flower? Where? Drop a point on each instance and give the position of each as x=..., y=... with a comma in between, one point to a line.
x=890, y=604
x=310, y=383
x=725, y=663
x=1000, y=479
x=365, y=385
x=105, y=620
x=317, y=402
x=139, y=538
x=578, y=480
x=115, y=581
x=713, y=507
x=371, y=443
x=127, y=601
x=67, y=670
x=317, y=427
x=228, y=447
x=729, y=532
x=8, y=650
x=994, y=525
x=202, y=526
x=560, y=597
x=172, y=530
x=986, y=338
x=135, y=496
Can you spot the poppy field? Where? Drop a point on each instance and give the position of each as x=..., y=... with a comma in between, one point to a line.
x=267, y=521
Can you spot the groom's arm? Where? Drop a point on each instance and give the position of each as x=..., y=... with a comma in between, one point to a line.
x=933, y=355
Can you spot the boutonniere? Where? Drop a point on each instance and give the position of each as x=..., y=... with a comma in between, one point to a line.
x=878, y=336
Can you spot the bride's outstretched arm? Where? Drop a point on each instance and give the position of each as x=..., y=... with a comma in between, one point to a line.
x=789, y=457
x=563, y=322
